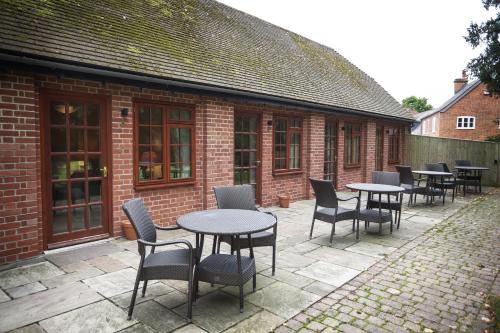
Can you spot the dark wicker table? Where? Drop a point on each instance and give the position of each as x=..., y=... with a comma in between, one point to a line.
x=372, y=215
x=224, y=268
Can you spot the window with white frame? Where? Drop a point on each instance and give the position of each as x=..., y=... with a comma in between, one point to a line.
x=466, y=122
x=433, y=124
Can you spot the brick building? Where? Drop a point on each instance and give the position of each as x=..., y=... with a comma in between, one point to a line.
x=471, y=114
x=163, y=101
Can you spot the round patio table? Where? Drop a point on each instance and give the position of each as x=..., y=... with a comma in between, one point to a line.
x=372, y=215
x=225, y=269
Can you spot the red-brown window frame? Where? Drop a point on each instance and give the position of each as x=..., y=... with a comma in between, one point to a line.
x=332, y=163
x=167, y=124
x=393, y=135
x=347, y=161
x=289, y=131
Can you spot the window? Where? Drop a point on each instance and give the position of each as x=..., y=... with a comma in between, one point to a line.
x=393, y=135
x=352, y=145
x=164, y=141
x=433, y=124
x=466, y=122
x=287, y=144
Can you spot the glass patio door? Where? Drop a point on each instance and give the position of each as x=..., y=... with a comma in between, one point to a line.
x=247, y=164
x=76, y=178
x=330, y=167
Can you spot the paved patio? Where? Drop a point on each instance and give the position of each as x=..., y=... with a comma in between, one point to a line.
x=88, y=288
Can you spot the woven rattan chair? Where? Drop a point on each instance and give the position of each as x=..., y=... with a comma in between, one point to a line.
x=376, y=201
x=327, y=207
x=408, y=183
x=466, y=178
x=175, y=264
x=442, y=183
x=242, y=197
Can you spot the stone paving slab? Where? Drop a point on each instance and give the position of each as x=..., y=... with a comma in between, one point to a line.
x=45, y=304
x=328, y=273
x=112, y=284
x=25, y=290
x=100, y=317
x=28, y=274
x=282, y=299
x=218, y=311
x=435, y=283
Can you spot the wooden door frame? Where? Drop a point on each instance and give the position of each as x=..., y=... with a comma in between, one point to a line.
x=45, y=95
x=258, y=194
x=381, y=147
x=336, y=161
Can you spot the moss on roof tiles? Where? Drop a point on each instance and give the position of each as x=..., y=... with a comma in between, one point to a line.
x=201, y=41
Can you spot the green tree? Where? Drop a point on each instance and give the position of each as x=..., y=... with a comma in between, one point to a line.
x=418, y=104
x=487, y=65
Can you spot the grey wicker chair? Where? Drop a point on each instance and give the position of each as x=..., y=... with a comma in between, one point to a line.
x=466, y=178
x=442, y=183
x=374, y=201
x=242, y=197
x=327, y=207
x=408, y=183
x=175, y=264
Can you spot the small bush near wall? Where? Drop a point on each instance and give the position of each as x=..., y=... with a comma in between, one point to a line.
x=493, y=138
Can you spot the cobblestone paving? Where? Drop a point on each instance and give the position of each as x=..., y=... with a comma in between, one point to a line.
x=435, y=283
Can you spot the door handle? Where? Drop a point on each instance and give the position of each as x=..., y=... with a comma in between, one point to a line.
x=104, y=171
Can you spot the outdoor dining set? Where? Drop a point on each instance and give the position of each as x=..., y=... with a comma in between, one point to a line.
x=239, y=223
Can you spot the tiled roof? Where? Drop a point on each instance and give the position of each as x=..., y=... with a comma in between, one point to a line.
x=199, y=41
x=455, y=98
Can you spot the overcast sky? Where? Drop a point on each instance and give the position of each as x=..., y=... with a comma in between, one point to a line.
x=410, y=47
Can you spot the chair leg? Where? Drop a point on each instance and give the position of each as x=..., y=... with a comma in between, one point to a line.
x=274, y=259
x=218, y=245
x=190, y=296
x=134, y=295
x=380, y=228
x=332, y=233
x=453, y=195
x=399, y=218
x=254, y=282
x=312, y=226
x=144, y=286
x=357, y=229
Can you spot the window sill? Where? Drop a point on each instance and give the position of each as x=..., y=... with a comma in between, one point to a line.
x=148, y=187
x=357, y=166
x=287, y=172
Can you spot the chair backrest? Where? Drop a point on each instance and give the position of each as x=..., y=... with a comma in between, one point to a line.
x=235, y=197
x=463, y=163
x=405, y=174
x=386, y=178
x=325, y=193
x=445, y=167
x=434, y=167
x=140, y=219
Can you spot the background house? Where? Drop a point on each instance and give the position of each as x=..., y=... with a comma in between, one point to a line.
x=101, y=103
x=472, y=113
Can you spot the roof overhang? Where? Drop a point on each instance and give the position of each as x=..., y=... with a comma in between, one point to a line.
x=106, y=75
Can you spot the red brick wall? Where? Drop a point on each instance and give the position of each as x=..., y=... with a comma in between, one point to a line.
x=21, y=231
x=486, y=109
x=20, y=186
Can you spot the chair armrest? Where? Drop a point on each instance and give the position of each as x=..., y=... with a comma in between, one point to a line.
x=347, y=199
x=175, y=227
x=169, y=242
